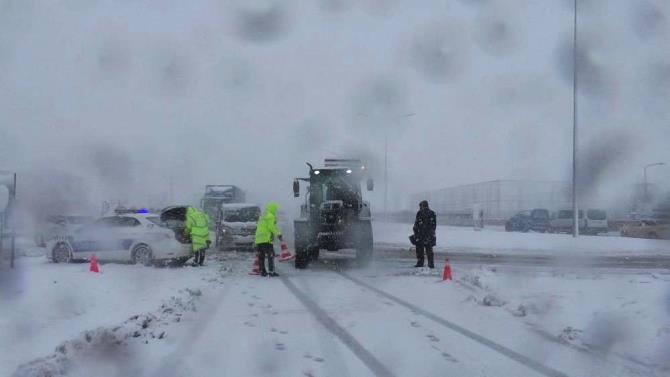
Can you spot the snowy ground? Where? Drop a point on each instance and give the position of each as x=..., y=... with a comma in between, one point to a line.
x=42, y=303
x=334, y=319
x=497, y=240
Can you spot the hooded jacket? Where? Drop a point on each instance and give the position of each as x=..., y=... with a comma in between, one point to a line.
x=197, y=227
x=266, y=229
x=424, y=225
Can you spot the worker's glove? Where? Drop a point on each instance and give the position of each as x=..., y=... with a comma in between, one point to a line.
x=281, y=239
x=209, y=243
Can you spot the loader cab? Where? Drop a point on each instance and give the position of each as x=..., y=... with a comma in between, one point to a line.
x=335, y=185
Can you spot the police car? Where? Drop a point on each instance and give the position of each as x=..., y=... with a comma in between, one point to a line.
x=140, y=238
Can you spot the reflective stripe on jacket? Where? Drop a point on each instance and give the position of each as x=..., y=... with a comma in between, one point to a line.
x=197, y=226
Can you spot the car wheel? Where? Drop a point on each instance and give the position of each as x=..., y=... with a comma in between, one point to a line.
x=61, y=253
x=142, y=255
x=301, y=259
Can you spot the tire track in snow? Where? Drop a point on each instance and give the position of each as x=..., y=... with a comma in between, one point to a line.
x=209, y=311
x=376, y=366
x=524, y=360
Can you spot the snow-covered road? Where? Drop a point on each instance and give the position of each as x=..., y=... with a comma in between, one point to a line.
x=335, y=319
x=496, y=240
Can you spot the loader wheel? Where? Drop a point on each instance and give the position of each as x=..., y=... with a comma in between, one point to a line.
x=364, y=243
x=303, y=238
x=301, y=259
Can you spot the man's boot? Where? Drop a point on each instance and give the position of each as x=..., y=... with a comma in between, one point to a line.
x=271, y=264
x=261, y=264
x=430, y=260
x=419, y=256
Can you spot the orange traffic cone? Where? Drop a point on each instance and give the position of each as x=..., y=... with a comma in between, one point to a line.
x=285, y=255
x=255, y=268
x=446, y=274
x=94, y=264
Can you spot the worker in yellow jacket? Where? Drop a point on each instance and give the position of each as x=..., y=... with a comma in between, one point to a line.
x=197, y=228
x=266, y=231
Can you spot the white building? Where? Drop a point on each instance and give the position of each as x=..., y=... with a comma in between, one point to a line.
x=499, y=199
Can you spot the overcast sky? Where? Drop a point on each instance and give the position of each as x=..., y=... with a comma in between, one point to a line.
x=131, y=95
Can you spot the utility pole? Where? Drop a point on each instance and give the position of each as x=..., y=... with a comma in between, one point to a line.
x=386, y=174
x=575, y=209
x=11, y=265
x=386, y=166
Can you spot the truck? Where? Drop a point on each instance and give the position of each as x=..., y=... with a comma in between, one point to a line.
x=563, y=221
x=334, y=215
x=215, y=196
x=591, y=221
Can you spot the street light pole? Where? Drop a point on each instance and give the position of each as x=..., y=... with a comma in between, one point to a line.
x=386, y=165
x=575, y=212
x=646, y=191
x=386, y=173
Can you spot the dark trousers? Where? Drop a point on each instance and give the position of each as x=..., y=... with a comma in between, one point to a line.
x=422, y=249
x=199, y=257
x=266, y=250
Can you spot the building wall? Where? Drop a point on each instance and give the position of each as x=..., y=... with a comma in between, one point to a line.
x=499, y=199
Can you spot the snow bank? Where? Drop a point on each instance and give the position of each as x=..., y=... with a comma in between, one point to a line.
x=611, y=316
x=616, y=323
x=494, y=240
x=112, y=350
x=42, y=304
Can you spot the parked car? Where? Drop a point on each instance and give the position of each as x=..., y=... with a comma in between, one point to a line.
x=563, y=221
x=59, y=225
x=236, y=226
x=595, y=222
x=652, y=229
x=524, y=221
x=138, y=238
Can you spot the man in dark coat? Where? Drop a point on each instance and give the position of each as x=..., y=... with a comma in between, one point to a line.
x=424, y=233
